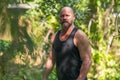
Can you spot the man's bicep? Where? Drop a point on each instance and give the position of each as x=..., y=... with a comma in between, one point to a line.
x=51, y=55
x=83, y=45
x=85, y=54
x=50, y=60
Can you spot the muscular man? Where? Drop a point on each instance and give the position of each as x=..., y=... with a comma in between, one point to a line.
x=70, y=50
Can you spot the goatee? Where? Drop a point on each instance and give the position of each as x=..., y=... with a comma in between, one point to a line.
x=66, y=24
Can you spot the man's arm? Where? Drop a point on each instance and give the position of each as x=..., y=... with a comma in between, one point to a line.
x=48, y=66
x=84, y=48
x=49, y=63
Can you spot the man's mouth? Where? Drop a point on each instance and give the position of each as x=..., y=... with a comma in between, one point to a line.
x=64, y=22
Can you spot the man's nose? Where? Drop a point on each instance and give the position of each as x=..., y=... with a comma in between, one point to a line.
x=64, y=18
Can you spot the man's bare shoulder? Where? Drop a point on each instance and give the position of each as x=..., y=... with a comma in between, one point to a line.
x=81, y=38
x=53, y=37
x=80, y=34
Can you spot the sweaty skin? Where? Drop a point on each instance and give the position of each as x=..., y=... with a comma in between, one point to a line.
x=81, y=41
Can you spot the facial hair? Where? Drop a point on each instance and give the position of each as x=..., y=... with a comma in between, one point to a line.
x=66, y=24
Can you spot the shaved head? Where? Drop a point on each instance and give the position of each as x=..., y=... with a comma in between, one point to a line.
x=67, y=17
x=67, y=8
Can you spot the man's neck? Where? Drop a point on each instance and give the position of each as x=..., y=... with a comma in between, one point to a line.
x=67, y=30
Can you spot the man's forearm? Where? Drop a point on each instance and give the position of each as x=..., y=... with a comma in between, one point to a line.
x=48, y=68
x=46, y=73
x=84, y=70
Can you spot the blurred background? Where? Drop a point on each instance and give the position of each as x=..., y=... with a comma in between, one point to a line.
x=26, y=27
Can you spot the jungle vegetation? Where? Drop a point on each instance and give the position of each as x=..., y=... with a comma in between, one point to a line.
x=26, y=27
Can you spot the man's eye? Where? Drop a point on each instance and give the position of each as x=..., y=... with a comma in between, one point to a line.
x=62, y=16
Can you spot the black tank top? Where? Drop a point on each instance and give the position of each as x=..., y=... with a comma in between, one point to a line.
x=68, y=61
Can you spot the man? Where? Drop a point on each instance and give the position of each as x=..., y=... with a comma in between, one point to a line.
x=70, y=50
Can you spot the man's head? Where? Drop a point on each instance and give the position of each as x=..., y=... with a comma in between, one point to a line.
x=66, y=17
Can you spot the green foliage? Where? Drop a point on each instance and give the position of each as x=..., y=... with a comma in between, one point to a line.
x=44, y=19
x=53, y=75
x=24, y=73
x=105, y=65
x=4, y=45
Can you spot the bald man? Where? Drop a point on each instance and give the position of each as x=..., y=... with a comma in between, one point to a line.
x=70, y=50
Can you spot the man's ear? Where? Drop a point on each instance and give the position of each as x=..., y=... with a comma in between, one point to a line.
x=74, y=18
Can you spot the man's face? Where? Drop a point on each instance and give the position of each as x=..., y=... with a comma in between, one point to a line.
x=66, y=17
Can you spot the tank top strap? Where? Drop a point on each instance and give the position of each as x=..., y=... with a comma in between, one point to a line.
x=71, y=35
x=58, y=33
x=73, y=32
